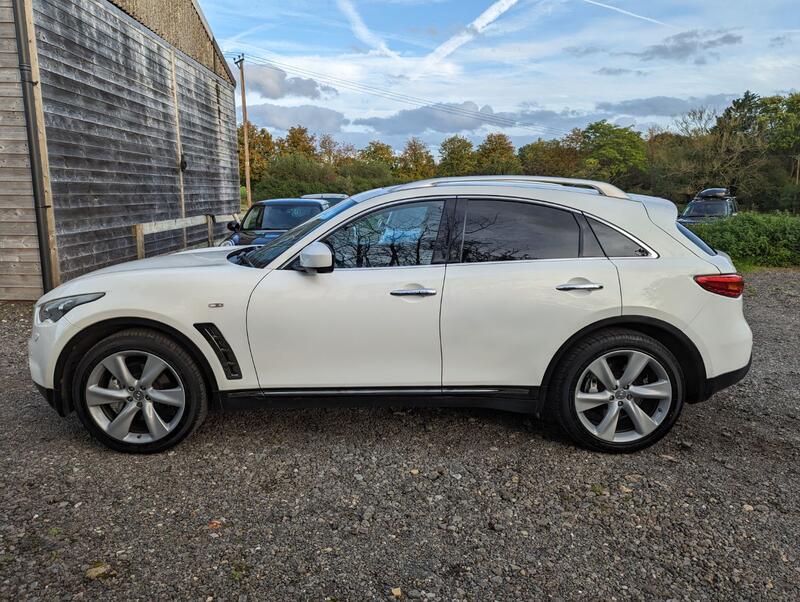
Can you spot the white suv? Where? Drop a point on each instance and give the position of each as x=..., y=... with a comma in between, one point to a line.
x=566, y=298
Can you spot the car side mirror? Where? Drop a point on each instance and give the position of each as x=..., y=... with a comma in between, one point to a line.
x=317, y=257
x=234, y=226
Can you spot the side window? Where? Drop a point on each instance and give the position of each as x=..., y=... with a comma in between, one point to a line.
x=616, y=244
x=402, y=235
x=252, y=221
x=513, y=231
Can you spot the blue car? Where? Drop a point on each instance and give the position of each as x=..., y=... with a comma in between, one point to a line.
x=266, y=220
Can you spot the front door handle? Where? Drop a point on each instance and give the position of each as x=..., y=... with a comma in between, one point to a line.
x=579, y=286
x=413, y=292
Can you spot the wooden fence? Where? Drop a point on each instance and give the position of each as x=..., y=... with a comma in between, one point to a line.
x=140, y=230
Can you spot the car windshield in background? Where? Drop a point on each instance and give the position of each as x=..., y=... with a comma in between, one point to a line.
x=262, y=256
x=278, y=217
x=706, y=209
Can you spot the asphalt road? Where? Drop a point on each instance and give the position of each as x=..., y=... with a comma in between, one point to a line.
x=423, y=504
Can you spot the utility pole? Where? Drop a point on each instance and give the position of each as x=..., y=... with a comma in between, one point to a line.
x=240, y=63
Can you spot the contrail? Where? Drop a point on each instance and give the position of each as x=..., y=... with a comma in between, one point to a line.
x=486, y=18
x=630, y=14
x=361, y=31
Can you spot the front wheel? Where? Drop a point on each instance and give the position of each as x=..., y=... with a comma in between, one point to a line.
x=618, y=391
x=139, y=391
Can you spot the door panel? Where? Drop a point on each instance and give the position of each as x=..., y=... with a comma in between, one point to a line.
x=502, y=322
x=347, y=329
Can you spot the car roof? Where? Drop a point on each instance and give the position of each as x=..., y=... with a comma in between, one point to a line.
x=315, y=202
x=334, y=196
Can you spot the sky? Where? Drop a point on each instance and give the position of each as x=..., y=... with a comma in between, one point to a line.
x=391, y=69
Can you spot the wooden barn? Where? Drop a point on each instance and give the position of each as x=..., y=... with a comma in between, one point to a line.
x=117, y=136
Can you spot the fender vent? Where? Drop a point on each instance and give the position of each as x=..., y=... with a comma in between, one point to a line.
x=225, y=355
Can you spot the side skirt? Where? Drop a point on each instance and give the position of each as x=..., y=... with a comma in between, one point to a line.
x=524, y=400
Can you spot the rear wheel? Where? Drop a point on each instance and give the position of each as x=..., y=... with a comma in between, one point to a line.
x=618, y=391
x=139, y=391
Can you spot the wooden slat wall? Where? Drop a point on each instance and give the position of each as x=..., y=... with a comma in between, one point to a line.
x=112, y=135
x=20, y=268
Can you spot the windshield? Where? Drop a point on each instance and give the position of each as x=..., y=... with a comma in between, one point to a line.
x=262, y=256
x=278, y=217
x=706, y=209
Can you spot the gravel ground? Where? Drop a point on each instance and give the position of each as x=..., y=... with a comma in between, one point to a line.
x=424, y=504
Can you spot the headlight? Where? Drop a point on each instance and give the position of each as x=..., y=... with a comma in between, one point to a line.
x=54, y=310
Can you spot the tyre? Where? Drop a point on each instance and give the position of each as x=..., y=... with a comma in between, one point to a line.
x=617, y=391
x=138, y=391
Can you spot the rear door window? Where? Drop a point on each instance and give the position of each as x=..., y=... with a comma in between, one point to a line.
x=497, y=230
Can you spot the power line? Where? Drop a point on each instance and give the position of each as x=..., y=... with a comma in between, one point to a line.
x=487, y=118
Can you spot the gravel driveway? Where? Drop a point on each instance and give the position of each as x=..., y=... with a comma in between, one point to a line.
x=424, y=504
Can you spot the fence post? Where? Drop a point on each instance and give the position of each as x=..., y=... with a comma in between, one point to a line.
x=138, y=234
x=210, y=223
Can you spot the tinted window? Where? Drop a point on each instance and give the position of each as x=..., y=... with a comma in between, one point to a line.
x=278, y=217
x=616, y=244
x=508, y=231
x=706, y=209
x=270, y=251
x=696, y=239
x=402, y=235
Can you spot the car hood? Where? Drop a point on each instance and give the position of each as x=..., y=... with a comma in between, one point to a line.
x=699, y=219
x=254, y=237
x=212, y=258
x=198, y=258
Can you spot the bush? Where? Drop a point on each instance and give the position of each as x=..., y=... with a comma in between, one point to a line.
x=756, y=238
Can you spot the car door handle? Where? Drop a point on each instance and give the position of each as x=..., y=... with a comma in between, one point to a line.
x=579, y=286
x=411, y=292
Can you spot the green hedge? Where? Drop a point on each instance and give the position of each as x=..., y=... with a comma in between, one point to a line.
x=764, y=239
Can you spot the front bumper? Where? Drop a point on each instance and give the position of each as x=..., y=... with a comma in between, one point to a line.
x=54, y=400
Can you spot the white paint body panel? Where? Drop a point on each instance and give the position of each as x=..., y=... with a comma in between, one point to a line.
x=348, y=323
x=503, y=322
x=500, y=323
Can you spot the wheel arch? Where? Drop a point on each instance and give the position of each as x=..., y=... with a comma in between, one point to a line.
x=681, y=346
x=84, y=340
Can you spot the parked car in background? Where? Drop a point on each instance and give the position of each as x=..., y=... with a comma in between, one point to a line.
x=331, y=197
x=550, y=296
x=266, y=220
x=709, y=205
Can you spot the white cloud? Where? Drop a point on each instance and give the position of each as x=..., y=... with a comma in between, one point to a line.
x=316, y=119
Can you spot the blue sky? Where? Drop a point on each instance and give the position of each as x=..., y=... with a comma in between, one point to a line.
x=366, y=69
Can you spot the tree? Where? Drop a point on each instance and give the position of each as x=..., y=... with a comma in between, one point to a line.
x=496, y=156
x=298, y=141
x=416, y=162
x=262, y=149
x=551, y=158
x=456, y=157
x=612, y=153
x=379, y=152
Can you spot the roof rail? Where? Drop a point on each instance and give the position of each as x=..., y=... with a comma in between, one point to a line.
x=602, y=188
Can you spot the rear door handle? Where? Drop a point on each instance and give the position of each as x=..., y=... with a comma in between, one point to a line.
x=582, y=286
x=413, y=292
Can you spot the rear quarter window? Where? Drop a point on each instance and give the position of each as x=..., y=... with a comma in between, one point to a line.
x=615, y=243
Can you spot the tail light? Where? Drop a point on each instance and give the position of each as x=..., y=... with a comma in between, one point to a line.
x=727, y=285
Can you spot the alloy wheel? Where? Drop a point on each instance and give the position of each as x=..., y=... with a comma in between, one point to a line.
x=135, y=397
x=623, y=396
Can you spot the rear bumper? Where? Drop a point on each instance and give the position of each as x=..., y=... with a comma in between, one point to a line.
x=723, y=381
